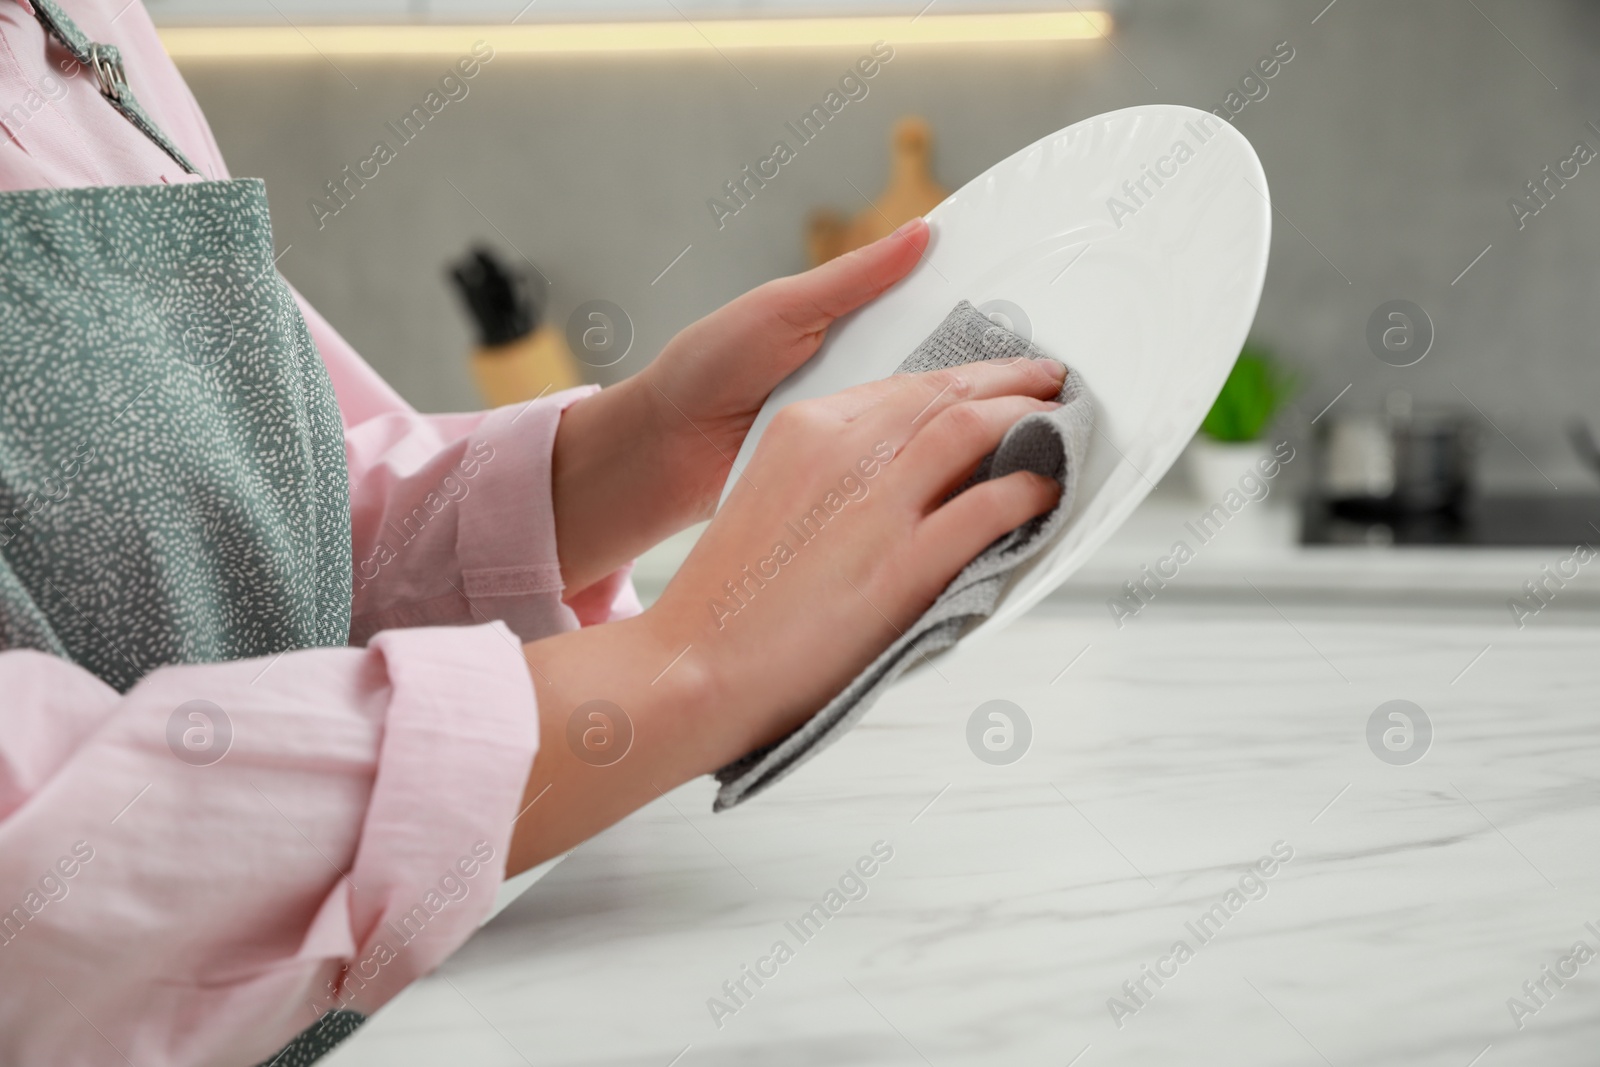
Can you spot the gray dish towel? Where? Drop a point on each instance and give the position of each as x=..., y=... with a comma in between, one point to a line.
x=1049, y=443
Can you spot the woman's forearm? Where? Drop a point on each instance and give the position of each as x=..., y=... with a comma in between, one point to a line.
x=621, y=721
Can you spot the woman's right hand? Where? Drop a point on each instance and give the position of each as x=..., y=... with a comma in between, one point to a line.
x=837, y=537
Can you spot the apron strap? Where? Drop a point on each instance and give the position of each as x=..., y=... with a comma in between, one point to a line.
x=106, y=62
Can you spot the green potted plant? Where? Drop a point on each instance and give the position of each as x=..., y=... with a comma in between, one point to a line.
x=1232, y=437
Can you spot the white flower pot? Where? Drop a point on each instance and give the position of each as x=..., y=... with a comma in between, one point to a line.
x=1214, y=467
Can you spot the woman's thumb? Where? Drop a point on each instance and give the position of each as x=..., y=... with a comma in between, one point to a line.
x=814, y=299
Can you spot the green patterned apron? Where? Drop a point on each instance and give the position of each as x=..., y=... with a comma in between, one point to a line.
x=173, y=485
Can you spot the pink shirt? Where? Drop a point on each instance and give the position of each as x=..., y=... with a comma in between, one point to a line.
x=353, y=836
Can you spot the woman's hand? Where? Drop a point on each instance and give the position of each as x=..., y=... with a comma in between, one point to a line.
x=645, y=458
x=839, y=536
x=717, y=372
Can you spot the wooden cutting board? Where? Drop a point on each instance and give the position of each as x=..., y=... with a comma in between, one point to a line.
x=911, y=191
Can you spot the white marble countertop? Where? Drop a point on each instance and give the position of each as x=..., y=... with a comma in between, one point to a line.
x=1170, y=757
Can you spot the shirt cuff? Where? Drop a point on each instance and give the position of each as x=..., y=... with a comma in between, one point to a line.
x=492, y=555
x=458, y=746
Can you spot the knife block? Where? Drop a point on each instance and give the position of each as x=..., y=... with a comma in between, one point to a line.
x=526, y=368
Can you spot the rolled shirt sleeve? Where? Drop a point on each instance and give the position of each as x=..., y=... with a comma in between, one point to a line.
x=451, y=515
x=194, y=872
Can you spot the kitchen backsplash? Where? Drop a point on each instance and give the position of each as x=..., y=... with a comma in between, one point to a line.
x=1399, y=140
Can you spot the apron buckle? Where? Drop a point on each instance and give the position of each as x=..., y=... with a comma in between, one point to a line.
x=108, y=70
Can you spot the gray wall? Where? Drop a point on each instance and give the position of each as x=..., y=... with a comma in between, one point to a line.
x=1392, y=142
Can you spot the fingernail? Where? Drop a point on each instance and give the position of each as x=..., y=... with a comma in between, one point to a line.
x=906, y=227
x=1061, y=372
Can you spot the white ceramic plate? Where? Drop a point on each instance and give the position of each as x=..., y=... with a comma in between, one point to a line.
x=1134, y=244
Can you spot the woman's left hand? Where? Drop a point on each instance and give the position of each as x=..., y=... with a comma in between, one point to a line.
x=717, y=372
x=647, y=457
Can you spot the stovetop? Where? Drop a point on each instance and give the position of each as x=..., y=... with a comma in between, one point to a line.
x=1505, y=520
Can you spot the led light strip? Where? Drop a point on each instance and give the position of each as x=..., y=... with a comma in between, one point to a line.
x=193, y=42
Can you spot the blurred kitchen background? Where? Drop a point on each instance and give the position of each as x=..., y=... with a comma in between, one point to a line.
x=1394, y=140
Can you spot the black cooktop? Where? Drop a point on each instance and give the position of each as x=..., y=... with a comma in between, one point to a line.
x=1504, y=520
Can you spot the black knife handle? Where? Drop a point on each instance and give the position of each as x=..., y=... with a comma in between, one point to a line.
x=499, y=298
